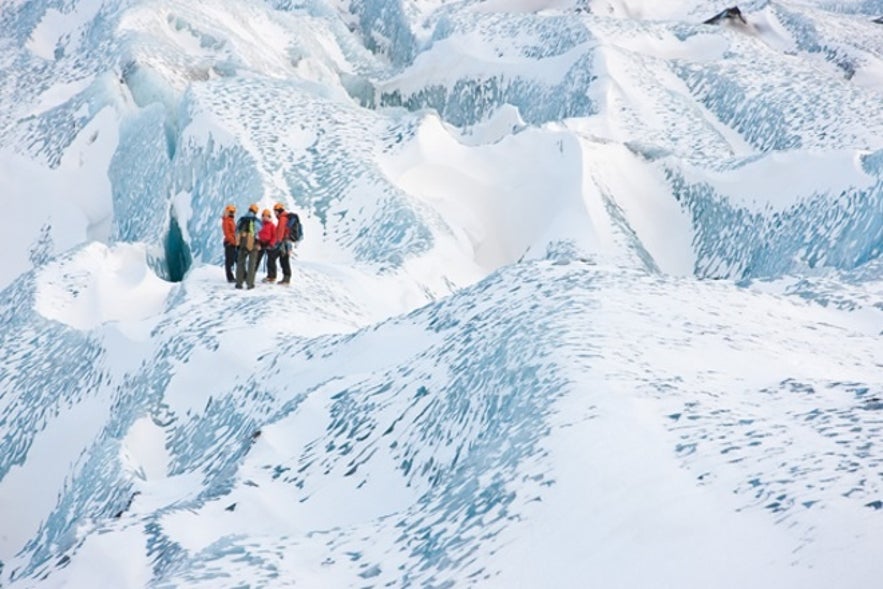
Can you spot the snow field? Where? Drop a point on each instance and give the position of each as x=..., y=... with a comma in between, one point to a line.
x=503, y=360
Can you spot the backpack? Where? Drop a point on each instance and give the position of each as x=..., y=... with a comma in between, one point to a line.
x=295, y=229
x=245, y=227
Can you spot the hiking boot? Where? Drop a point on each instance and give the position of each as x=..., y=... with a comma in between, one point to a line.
x=268, y=279
x=239, y=286
x=285, y=280
x=250, y=286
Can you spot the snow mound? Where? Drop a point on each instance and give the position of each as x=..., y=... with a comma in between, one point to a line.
x=99, y=284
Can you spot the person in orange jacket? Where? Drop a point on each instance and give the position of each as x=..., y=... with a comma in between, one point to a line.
x=283, y=247
x=228, y=226
x=267, y=241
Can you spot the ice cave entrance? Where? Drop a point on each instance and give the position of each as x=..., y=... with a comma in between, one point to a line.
x=178, y=258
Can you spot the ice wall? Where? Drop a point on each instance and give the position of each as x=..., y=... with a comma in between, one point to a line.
x=497, y=73
x=840, y=230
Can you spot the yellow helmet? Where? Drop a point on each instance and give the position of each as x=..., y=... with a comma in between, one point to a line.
x=253, y=208
x=265, y=213
x=230, y=209
x=278, y=207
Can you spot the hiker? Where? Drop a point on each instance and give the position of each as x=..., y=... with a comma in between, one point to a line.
x=267, y=241
x=283, y=245
x=247, y=229
x=228, y=226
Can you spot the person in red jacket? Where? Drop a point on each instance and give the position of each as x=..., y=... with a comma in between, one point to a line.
x=228, y=226
x=283, y=246
x=267, y=241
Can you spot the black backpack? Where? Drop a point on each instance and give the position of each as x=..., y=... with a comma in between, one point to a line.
x=295, y=228
x=245, y=228
x=244, y=225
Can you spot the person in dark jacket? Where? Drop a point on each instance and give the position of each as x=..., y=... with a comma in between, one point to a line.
x=283, y=246
x=228, y=226
x=247, y=229
x=267, y=241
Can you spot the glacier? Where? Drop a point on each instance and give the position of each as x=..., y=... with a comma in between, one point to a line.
x=591, y=294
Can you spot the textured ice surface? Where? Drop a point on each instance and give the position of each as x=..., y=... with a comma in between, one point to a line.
x=584, y=285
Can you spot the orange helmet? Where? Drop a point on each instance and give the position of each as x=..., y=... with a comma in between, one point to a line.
x=253, y=208
x=230, y=209
x=278, y=207
x=265, y=213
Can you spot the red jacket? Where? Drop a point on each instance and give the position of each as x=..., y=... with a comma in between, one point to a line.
x=267, y=235
x=228, y=226
x=281, y=227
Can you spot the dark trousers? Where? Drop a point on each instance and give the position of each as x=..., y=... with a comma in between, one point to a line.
x=285, y=261
x=229, y=260
x=247, y=259
x=272, y=254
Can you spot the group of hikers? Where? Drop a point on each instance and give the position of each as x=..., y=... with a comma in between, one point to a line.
x=248, y=238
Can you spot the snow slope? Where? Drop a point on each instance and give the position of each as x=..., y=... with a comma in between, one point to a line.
x=585, y=285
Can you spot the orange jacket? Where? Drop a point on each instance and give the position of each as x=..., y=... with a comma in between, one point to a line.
x=229, y=227
x=282, y=227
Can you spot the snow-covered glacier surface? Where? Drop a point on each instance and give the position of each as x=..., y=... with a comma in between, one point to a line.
x=591, y=294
